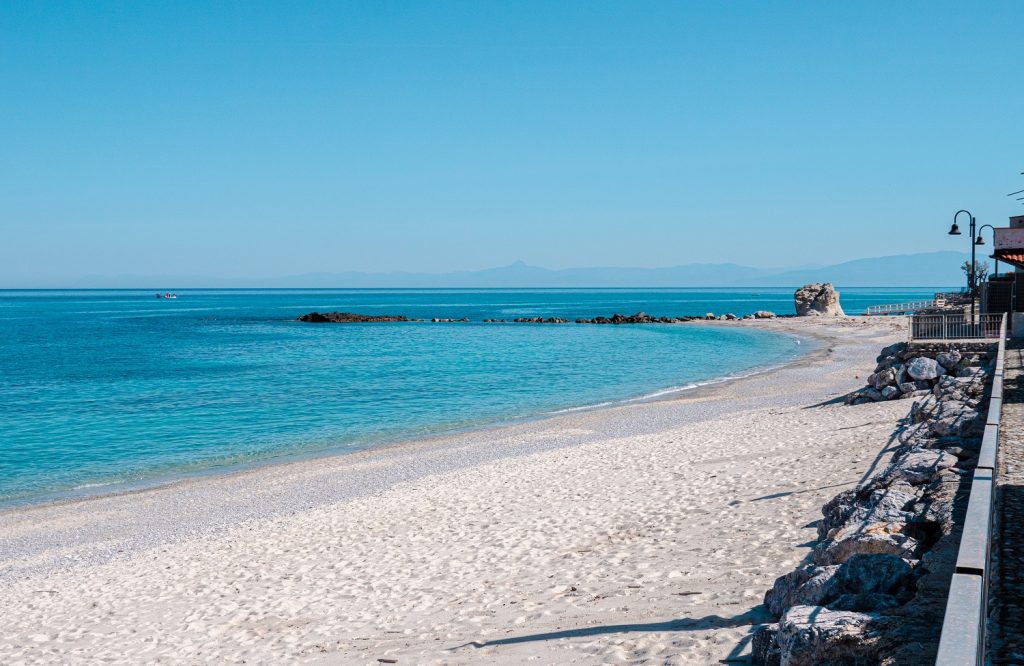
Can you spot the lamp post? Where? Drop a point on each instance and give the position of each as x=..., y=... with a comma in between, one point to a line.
x=981, y=241
x=955, y=231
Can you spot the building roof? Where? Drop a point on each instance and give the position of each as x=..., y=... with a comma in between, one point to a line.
x=1015, y=257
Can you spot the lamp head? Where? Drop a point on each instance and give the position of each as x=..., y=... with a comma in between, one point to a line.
x=979, y=240
x=954, y=230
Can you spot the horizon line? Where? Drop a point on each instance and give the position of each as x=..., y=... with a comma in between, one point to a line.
x=733, y=287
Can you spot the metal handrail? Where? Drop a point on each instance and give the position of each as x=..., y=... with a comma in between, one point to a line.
x=964, y=628
x=956, y=326
x=888, y=308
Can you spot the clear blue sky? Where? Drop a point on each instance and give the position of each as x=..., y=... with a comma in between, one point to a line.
x=264, y=139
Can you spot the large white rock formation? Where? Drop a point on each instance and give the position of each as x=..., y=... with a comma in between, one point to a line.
x=818, y=299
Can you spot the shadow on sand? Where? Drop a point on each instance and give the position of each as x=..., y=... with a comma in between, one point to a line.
x=753, y=617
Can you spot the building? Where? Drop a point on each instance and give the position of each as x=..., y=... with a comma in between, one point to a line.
x=1005, y=292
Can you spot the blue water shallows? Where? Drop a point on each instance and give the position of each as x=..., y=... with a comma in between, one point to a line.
x=108, y=387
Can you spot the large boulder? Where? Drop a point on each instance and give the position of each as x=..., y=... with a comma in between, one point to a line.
x=882, y=573
x=763, y=648
x=960, y=389
x=954, y=419
x=925, y=368
x=814, y=635
x=917, y=466
x=949, y=360
x=818, y=299
x=839, y=510
x=882, y=379
x=868, y=538
x=892, y=504
x=807, y=586
x=892, y=351
x=924, y=410
x=864, y=602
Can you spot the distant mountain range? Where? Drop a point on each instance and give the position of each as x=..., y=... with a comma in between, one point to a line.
x=926, y=269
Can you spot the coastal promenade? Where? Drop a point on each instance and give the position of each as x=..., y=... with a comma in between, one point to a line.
x=1007, y=593
x=643, y=532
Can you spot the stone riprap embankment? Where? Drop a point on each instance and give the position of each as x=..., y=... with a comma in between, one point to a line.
x=916, y=372
x=816, y=299
x=874, y=587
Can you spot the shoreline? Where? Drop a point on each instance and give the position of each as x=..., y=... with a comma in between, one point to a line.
x=796, y=328
x=641, y=531
x=172, y=478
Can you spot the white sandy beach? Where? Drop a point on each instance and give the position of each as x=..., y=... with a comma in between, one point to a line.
x=647, y=532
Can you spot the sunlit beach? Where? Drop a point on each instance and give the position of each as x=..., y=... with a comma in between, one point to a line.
x=511, y=333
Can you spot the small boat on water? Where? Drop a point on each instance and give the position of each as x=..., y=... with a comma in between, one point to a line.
x=167, y=295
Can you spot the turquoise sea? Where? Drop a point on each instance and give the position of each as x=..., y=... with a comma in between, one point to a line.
x=104, y=388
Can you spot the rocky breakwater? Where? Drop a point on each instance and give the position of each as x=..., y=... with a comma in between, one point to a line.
x=540, y=320
x=349, y=318
x=817, y=299
x=874, y=588
x=638, y=318
x=644, y=318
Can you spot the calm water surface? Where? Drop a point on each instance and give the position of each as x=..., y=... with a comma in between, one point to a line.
x=99, y=388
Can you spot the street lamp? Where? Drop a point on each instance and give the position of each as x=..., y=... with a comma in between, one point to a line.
x=955, y=231
x=981, y=241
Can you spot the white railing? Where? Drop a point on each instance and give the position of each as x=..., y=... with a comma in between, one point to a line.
x=901, y=308
x=955, y=326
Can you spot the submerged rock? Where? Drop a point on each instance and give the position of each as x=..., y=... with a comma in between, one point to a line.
x=348, y=318
x=638, y=318
x=541, y=320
